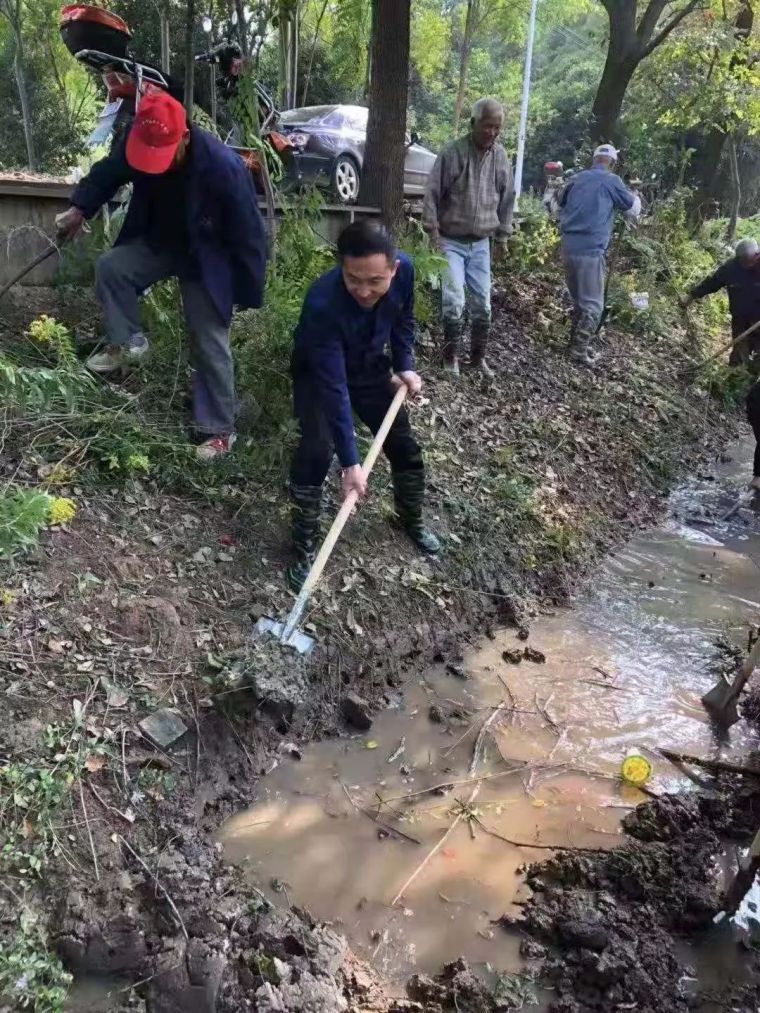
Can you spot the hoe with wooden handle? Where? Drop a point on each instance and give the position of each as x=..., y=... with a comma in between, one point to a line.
x=286, y=632
x=720, y=701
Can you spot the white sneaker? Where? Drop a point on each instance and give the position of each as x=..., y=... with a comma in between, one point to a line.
x=115, y=357
x=215, y=446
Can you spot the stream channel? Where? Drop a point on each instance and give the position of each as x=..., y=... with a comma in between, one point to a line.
x=625, y=667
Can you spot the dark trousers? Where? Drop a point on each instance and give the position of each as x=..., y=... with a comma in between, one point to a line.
x=753, y=414
x=370, y=401
x=122, y=274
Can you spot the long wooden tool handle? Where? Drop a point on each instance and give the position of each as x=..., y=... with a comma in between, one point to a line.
x=748, y=667
x=728, y=347
x=29, y=267
x=340, y=521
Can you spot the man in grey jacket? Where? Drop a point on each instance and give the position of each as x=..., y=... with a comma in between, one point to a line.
x=587, y=209
x=469, y=202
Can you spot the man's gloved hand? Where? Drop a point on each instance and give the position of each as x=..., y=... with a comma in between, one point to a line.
x=69, y=224
x=354, y=480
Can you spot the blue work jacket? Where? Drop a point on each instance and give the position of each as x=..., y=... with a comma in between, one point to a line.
x=227, y=240
x=341, y=345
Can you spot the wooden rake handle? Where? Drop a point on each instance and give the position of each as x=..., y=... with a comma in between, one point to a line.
x=342, y=516
x=723, y=349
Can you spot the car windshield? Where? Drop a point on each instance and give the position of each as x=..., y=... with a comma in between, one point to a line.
x=354, y=117
x=309, y=114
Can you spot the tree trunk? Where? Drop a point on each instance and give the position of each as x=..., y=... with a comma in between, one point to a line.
x=464, y=59
x=307, y=80
x=631, y=41
x=736, y=192
x=383, y=179
x=708, y=154
x=166, y=60
x=23, y=97
x=189, y=57
x=608, y=104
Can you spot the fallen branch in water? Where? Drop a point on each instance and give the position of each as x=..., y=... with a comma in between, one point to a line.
x=383, y=826
x=717, y=766
x=477, y=753
x=539, y=847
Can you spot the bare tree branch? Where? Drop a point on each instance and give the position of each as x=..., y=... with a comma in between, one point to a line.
x=674, y=22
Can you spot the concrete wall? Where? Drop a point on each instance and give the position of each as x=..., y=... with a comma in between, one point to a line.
x=27, y=213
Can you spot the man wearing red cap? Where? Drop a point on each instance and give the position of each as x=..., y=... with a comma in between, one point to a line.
x=193, y=215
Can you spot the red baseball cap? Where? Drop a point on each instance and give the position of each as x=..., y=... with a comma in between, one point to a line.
x=158, y=128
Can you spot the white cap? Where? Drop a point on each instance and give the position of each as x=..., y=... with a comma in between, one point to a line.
x=606, y=150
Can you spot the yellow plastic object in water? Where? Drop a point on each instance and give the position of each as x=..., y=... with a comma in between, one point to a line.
x=636, y=769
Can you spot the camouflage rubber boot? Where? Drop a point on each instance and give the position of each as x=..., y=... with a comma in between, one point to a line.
x=307, y=510
x=481, y=330
x=452, y=338
x=580, y=349
x=409, y=494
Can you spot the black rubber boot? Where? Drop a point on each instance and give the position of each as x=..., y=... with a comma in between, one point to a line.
x=307, y=509
x=409, y=493
x=452, y=339
x=481, y=330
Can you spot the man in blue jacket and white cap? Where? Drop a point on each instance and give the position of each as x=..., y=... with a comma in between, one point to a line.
x=353, y=346
x=193, y=215
x=587, y=209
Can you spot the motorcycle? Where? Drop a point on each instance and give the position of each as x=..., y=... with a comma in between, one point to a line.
x=101, y=40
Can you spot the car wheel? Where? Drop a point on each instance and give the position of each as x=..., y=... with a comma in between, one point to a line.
x=345, y=180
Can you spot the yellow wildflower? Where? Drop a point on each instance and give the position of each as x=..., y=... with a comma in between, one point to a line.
x=61, y=510
x=138, y=462
x=6, y=597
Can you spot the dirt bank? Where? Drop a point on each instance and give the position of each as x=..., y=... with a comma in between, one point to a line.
x=611, y=920
x=136, y=606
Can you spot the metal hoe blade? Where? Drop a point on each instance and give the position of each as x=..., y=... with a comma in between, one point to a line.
x=301, y=642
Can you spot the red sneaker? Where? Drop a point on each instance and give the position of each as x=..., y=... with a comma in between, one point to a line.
x=215, y=446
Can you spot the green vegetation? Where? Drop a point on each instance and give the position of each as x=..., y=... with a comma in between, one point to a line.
x=31, y=977
x=33, y=793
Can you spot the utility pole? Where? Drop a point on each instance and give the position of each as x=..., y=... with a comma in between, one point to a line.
x=525, y=102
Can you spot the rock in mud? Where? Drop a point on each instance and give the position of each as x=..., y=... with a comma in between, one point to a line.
x=436, y=714
x=537, y=657
x=356, y=711
x=513, y=657
x=584, y=935
x=457, y=670
x=532, y=950
x=163, y=727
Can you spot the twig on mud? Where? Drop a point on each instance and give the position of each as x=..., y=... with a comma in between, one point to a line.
x=539, y=847
x=541, y=708
x=105, y=804
x=510, y=695
x=446, y=785
x=89, y=831
x=160, y=885
x=383, y=826
x=476, y=757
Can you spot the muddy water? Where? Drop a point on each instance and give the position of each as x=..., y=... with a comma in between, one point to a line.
x=529, y=752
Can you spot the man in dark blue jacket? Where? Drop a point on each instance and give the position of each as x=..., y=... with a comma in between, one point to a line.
x=193, y=215
x=351, y=317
